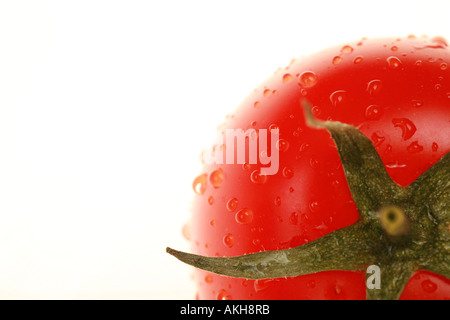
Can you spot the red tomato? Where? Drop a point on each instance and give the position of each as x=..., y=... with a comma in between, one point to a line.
x=395, y=91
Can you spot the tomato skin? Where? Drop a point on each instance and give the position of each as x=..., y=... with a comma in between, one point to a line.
x=395, y=91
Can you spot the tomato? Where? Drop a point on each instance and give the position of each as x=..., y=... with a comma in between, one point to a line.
x=395, y=91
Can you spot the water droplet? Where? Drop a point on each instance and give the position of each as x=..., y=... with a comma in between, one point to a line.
x=311, y=284
x=407, y=126
x=443, y=66
x=199, y=184
x=429, y=286
x=256, y=242
x=232, y=204
x=288, y=172
x=314, y=206
x=228, y=240
x=434, y=146
x=257, y=177
x=337, y=60
x=282, y=145
x=337, y=290
x=394, y=48
x=338, y=97
x=373, y=112
x=440, y=40
x=223, y=295
x=287, y=77
x=277, y=201
x=244, y=216
x=256, y=104
x=394, y=62
x=291, y=189
x=316, y=111
x=417, y=103
x=414, y=147
x=313, y=163
x=293, y=218
x=307, y=79
x=262, y=284
x=347, y=49
x=374, y=87
x=246, y=166
x=273, y=127
x=377, y=140
x=186, y=231
x=212, y=223
x=216, y=178
x=305, y=146
x=208, y=279
x=358, y=60
x=438, y=87
x=418, y=63
x=211, y=200
x=267, y=92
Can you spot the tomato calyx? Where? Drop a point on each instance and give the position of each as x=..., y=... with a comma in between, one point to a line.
x=400, y=229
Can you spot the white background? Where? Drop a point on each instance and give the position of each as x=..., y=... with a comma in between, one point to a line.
x=105, y=107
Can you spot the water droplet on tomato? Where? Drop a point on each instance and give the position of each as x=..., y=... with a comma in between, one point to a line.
x=314, y=206
x=347, y=49
x=417, y=103
x=211, y=200
x=208, y=279
x=394, y=48
x=288, y=172
x=282, y=145
x=228, y=240
x=443, y=66
x=257, y=177
x=337, y=60
x=199, y=184
x=244, y=216
x=337, y=290
x=316, y=111
x=223, y=295
x=212, y=223
x=262, y=284
x=358, y=60
x=277, y=201
x=246, y=166
x=293, y=218
x=434, y=146
x=377, y=139
x=414, y=147
x=438, y=86
x=287, y=77
x=311, y=284
x=374, y=87
x=256, y=242
x=313, y=163
x=440, y=40
x=428, y=286
x=232, y=204
x=373, y=112
x=186, y=231
x=394, y=62
x=307, y=79
x=305, y=146
x=337, y=98
x=407, y=126
x=256, y=104
x=267, y=92
x=216, y=178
